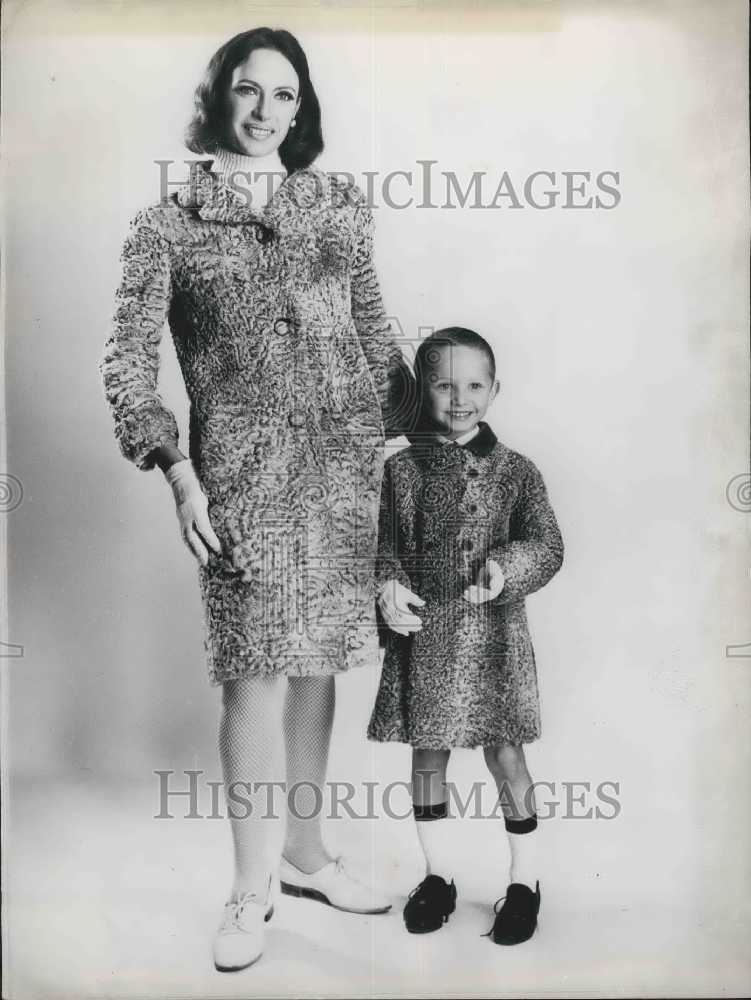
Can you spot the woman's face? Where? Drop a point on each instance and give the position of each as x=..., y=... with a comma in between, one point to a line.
x=263, y=99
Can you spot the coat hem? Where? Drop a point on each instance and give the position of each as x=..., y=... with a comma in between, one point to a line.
x=467, y=743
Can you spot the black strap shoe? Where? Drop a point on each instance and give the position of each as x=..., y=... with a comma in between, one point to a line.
x=429, y=905
x=517, y=918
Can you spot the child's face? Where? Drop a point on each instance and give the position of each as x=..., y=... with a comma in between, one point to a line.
x=458, y=389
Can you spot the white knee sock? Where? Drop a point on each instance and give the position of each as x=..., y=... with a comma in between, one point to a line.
x=522, y=838
x=250, y=745
x=435, y=838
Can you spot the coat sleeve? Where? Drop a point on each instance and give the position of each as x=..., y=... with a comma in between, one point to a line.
x=534, y=551
x=129, y=365
x=393, y=378
x=388, y=563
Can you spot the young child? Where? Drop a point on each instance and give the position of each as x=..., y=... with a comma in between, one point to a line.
x=466, y=532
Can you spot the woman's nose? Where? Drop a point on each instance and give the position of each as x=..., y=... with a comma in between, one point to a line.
x=261, y=106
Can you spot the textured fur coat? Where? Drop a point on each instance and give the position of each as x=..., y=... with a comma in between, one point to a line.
x=294, y=380
x=468, y=678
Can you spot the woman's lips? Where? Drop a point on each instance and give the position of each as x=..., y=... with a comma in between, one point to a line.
x=258, y=131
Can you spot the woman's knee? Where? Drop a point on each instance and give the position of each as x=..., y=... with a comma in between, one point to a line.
x=247, y=691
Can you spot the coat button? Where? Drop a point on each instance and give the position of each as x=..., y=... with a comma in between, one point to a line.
x=467, y=545
x=296, y=419
x=473, y=508
x=281, y=326
x=263, y=235
x=473, y=473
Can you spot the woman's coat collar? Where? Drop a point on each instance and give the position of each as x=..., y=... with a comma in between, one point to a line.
x=211, y=197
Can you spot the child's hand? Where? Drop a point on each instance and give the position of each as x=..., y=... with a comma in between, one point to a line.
x=393, y=599
x=489, y=584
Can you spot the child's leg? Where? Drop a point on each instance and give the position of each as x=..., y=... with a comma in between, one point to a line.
x=516, y=794
x=308, y=720
x=250, y=746
x=430, y=807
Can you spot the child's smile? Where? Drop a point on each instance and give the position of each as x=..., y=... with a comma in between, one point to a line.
x=458, y=389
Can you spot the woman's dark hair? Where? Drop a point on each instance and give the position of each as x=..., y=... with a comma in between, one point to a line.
x=427, y=356
x=208, y=132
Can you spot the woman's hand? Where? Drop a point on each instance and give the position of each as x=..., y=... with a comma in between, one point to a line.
x=490, y=582
x=393, y=601
x=192, y=510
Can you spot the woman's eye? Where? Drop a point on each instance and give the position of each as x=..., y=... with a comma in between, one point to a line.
x=244, y=89
x=285, y=96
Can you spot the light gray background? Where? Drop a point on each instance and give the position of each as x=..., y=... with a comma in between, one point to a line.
x=621, y=339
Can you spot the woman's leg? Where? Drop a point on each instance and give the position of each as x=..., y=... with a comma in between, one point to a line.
x=308, y=720
x=508, y=766
x=250, y=746
x=430, y=807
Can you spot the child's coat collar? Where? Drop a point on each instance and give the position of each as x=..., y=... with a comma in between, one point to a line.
x=481, y=444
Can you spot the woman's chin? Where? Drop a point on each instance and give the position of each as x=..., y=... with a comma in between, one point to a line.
x=258, y=147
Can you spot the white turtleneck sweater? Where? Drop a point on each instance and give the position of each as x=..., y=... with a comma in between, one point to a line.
x=259, y=175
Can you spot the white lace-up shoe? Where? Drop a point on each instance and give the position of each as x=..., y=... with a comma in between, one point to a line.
x=332, y=885
x=239, y=941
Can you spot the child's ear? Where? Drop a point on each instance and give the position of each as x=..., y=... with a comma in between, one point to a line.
x=496, y=389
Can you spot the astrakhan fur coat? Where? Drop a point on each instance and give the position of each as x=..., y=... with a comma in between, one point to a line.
x=295, y=380
x=468, y=678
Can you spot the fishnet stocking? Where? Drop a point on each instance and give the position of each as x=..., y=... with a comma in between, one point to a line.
x=250, y=749
x=308, y=718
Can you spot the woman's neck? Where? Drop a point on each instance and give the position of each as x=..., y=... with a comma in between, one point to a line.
x=261, y=175
x=226, y=162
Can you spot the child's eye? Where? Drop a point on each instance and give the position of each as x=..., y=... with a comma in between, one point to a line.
x=442, y=386
x=476, y=385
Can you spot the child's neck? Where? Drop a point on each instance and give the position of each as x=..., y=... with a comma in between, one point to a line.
x=462, y=438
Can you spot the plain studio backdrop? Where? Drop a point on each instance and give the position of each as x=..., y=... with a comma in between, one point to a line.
x=622, y=352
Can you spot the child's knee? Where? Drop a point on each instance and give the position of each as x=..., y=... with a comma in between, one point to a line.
x=428, y=770
x=506, y=761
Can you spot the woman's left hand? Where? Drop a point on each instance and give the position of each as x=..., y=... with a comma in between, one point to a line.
x=490, y=582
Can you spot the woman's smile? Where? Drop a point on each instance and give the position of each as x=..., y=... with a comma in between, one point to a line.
x=256, y=131
x=263, y=100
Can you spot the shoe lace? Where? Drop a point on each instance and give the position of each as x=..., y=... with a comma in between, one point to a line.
x=495, y=910
x=234, y=909
x=243, y=902
x=426, y=886
x=417, y=888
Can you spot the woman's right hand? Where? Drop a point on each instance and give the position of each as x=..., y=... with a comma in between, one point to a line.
x=192, y=510
x=393, y=601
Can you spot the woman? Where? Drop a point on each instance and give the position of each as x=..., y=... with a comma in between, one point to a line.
x=263, y=266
